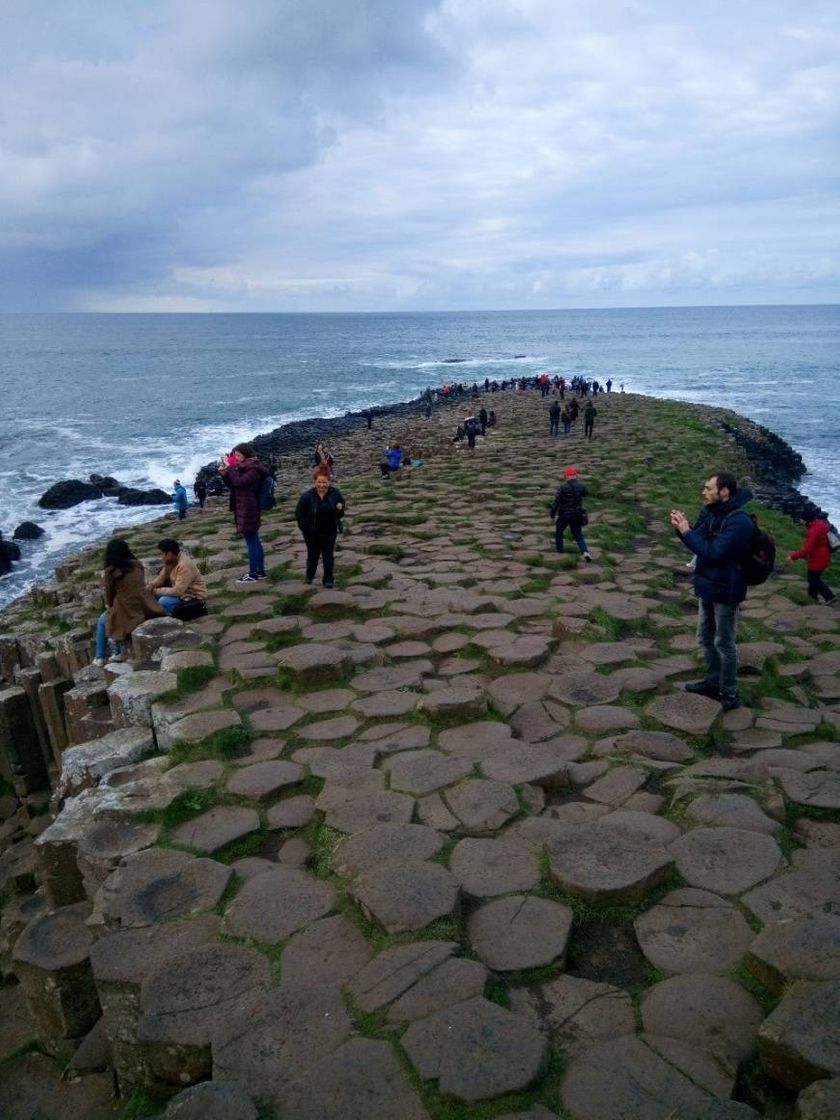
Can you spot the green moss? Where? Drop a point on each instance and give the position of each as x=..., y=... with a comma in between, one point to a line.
x=140, y=1104
x=225, y=744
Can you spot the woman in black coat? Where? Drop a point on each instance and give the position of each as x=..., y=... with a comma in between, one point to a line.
x=318, y=513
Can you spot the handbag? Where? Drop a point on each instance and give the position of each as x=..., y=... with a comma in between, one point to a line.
x=584, y=517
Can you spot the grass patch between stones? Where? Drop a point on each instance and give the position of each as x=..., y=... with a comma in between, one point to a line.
x=226, y=744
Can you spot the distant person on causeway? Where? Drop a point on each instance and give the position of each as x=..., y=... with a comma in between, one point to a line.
x=554, y=419
x=243, y=473
x=569, y=512
x=817, y=552
x=589, y=414
x=179, y=499
x=318, y=513
x=721, y=539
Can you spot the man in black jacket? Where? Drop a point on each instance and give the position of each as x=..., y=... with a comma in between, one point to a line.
x=568, y=509
x=318, y=513
x=721, y=539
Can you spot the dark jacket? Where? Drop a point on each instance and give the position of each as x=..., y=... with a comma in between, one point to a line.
x=721, y=539
x=320, y=517
x=569, y=498
x=245, y=480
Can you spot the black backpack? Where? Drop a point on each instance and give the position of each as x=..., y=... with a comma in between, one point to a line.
x=266, y=494
x=759, y=562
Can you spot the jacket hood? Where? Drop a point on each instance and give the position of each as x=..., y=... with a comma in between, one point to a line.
x=738, y=502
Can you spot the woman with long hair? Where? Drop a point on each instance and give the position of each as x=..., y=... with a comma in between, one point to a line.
x=127, y=600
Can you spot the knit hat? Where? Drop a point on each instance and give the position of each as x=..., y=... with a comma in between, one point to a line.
x=570, y=472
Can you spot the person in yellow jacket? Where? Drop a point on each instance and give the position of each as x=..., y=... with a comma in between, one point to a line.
x=179, y=580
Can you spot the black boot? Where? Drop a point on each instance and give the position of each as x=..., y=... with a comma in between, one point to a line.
x=704, y=688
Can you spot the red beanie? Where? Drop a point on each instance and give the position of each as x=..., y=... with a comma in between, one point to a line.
x=570, y=472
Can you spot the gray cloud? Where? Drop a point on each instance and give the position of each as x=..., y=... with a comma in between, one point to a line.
x=265, y=155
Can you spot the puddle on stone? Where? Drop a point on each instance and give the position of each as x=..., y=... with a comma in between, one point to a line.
x=609, y=954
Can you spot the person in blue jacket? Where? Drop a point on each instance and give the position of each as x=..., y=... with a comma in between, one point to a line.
x=720, y=539
x=179, y=499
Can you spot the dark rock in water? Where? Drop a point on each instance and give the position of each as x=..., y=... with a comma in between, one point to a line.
x=68, y=493
x=453, y=361
x=153, y=497
x=28, y=531
x=104, y=481
x=9, y=552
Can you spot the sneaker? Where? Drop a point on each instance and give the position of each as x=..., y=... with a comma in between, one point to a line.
x=704, y=688
x=730, y=703
x=118, y=658
x=587, y=557
x=247, y=579
x=309, y=579
x=260, y=575
x=832, y=602
x=329, y=584
x=99, y=662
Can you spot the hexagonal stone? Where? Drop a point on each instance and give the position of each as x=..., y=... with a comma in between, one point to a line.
x=275, y=905
x=452, y=982
x=365, y=850
x=475, y=740
x=811, y=888
x=486, y=868
x=600, y=719
x=482, y=806
x=522, y=651
x=382, y=705
x=520, y=932
x=194, y=728
x=329, y=730
x=466, y=701
x=661, y=746
x=728, y=860
x=292, y=812
x=685, y=711
x=277, y=718
x=542, y=764
x=395, y=970
x=693, y=931
x=640, y=825
x=820, y=1101
x=268, y=1040
x=604, y=867
x=477, y=1050
x=265, y=780
x=732, y=810
x=352, y=811
x=576, y=1012
x=511, y=691
x=157, y=885
x=617, y=785
x=314, y=663
x=361, y=1080
x=211, y=1100
x=819, y=789
x=409, y=675
x=218, y=827
x=804, y=949
x=711, y=1012
x=584, y=687
x=328, y=953
x=407, y=895
x=799, y=1042
x=421, y=772
x=83, y=766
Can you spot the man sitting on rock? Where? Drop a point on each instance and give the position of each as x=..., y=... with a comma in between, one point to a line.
x=180, y=587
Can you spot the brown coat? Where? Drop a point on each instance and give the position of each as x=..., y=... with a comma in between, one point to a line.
x=127, y=600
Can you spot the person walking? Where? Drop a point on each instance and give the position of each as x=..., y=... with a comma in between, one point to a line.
x=200, y=491
x=568, y=509
x=554, y=419
x=127, y=600
x=482, y=419
x=589, y=414
x=179, y=499
x=721, y=539
x=244, y=476
x=817, y=552
x=566, y=417
x=318, y=513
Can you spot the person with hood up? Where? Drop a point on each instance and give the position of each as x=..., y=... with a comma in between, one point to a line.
x=318, y=513
x=721, y=540
x=244, y=477
x=179, y=499
x=817, y=552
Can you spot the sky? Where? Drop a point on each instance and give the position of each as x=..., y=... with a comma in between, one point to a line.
x=401, y=155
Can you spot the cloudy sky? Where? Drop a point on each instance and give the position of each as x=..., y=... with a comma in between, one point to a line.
x=332, y=155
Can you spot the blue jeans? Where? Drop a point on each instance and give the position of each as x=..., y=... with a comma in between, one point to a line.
x=716, y=626
x=170, y=602
x=102, y=637
x=572, y=521
x=567, y=427
x=256, y=553
x=554, y=428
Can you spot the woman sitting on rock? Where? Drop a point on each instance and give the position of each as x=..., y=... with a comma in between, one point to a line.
x=127, y=600
x=318, y=514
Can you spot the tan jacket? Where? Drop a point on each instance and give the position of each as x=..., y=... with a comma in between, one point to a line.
x=182, y=579
x=127, y=600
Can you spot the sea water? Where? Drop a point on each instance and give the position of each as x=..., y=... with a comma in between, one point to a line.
x=150, y=398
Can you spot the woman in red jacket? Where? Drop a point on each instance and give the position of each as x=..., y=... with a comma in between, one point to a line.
x=816, y=551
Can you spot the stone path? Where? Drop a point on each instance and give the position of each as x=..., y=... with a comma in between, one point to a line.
x=451, y=833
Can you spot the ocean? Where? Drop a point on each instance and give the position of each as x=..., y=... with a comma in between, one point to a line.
x=148, y=398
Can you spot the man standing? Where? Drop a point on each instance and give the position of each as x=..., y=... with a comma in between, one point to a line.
x=179, y=499
x=554, y=419
x=589, y=414
x=721, y=539
x=482, y=419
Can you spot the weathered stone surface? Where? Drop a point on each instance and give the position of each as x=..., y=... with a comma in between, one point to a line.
x=106, y=843
x=368, y=849
x=520, y=932
x=293, y=812
x=803, y=949
x=421, y=772
x=476, y=1050
x=712, y=1012
x=314, y=663
x=811, y=888
x=661, y=746
x=33, y=1088
x=452, y=982
x=727, y=860
x=539, y=719
x=509, y=692
x=329, y=730
x=131, y=696
x=407, y=894
x=265, y=780
x=685, y=711
x=408, y=675
x=218, y=827
x=183, y=1000
x=600, y=719
x=353, y=811
x=271, y=1037
x=485, y=868
x=603, y=866
x=52, y=961
x=278, y=718
x=196, y=727
x=275, y=905
x=84, y=765
x=158, y=885
x=212, y=1100
x=576, y=1012
x=639, y=825
x=693, y=931
x=475, y=740
x=327, y=953
x=799, y=1042
x=584, y=687
x=361, y=1080
x=544, y=764
x=482, y=806
x=820, y=1101
x=819, y=789
x=524, y=651
x=464, y=700
x=732, y=810
x=396, y=970
x=617, y=785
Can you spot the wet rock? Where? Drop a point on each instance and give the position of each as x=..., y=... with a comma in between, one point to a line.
x=799, y=1042
x=133, y=496
x=70, y=492
x=28, y=531
x=584, y=687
